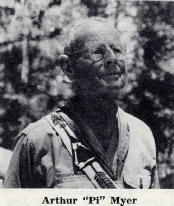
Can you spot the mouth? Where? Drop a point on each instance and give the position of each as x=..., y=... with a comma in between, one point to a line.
x=114, y=76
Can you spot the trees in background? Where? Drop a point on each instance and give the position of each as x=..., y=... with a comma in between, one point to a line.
x=31, y=41
x=151, y=98
x=31, y=81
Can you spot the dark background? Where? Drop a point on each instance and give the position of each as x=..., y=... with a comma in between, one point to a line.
x=32, y=83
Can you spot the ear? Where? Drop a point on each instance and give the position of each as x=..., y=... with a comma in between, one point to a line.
x=66, y=66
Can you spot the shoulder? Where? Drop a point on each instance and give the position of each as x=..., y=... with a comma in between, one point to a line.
x=138, y=124
x=39, y=133
x=139, y=131
x=37, y=128
x=135, y=123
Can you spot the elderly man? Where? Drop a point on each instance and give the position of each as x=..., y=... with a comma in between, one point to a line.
x=90, y=142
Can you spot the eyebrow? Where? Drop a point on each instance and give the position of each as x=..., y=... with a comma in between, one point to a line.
x=100, y=43
x=98, y=46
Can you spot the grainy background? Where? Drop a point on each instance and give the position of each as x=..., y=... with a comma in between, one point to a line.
x=32, y=83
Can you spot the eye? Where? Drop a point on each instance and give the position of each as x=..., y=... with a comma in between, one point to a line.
x=99, y=50
x=97, y=54
x=116, y=50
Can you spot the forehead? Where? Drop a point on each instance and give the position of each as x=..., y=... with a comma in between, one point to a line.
x=92, y=33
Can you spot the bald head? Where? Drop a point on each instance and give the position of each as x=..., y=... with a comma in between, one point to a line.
x=89, y=30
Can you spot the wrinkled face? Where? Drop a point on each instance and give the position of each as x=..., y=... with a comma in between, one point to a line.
x=98, y=59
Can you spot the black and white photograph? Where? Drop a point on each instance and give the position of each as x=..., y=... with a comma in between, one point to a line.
x=87, y=95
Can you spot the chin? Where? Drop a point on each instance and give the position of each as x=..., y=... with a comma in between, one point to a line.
x=111, y=93
x=115, y=91
x=95, y=88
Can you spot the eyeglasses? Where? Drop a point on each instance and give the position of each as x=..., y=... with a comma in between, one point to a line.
x=97, y=52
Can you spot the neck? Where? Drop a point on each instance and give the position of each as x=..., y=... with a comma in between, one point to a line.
x=96, y=106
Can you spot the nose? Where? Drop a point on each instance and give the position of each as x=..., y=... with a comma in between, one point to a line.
x=110, y=58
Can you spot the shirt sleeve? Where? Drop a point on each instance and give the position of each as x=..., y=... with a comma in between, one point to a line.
x=20, y=170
